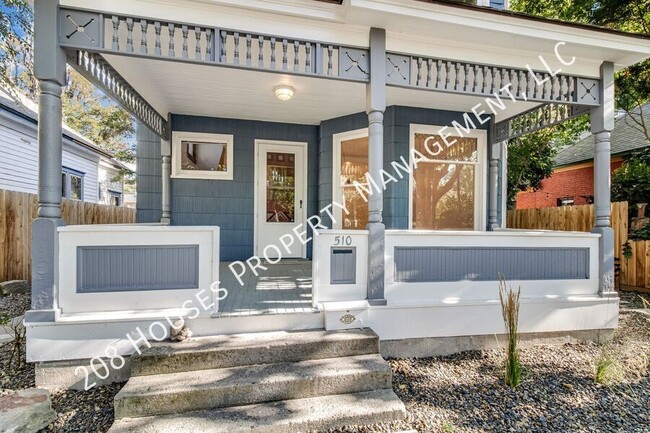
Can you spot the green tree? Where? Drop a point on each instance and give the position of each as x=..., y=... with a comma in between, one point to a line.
x=94, y=115
x=632, y=83
x=531, y=157
x=15, y=42
x=631, y=182
x=85, y=108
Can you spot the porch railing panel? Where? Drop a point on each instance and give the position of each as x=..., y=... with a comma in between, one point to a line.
x=455, y=267
x=137, y=268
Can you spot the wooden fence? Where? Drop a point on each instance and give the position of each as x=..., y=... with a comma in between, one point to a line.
x=17, y=210
x=635, y=270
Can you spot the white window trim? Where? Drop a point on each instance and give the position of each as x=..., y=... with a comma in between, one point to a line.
x=337, y=189
x=480, y=183
x=177, y=172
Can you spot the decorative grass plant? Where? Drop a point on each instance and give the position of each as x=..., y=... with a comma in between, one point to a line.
x=510, y=310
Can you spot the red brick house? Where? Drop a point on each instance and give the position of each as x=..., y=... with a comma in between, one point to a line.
x=572, y=181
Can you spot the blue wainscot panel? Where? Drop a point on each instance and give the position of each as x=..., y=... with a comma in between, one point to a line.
x=446, y=264
x=103, y=269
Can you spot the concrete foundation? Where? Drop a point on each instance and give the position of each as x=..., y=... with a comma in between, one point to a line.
x=71, y=374
x=444, y=346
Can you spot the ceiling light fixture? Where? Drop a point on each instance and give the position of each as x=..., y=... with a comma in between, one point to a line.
x=284, y=93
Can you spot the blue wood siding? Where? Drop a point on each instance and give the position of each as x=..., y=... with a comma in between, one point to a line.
x=229, y=203
x=397, y=122
x=148, y=172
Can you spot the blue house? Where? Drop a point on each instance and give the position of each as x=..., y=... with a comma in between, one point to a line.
x=307, y=169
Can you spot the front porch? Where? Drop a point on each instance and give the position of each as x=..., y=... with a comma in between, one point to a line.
x=286, y=288
x=230, y=173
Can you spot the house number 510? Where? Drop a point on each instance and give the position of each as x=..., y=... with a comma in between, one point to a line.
x=342, y=240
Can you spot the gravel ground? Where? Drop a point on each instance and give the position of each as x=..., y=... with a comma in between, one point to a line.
x=16, y=304
x=463, y=392
x=633, y=300
x=87, y=411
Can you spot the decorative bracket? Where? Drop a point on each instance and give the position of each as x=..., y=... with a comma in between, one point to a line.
x=398, y=69
x=354, y=63
x=81, y=28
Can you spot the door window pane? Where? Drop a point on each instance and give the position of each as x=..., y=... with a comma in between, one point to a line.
x=354, y=166
x=280, y=187
x=444, y=186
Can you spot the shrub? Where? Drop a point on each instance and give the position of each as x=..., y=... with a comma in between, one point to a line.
x=608, y=369
x=510, y=310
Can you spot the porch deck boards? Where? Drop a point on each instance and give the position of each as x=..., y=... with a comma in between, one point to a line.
x=285, y=288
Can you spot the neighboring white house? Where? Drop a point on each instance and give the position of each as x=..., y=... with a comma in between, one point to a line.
x=89, y=173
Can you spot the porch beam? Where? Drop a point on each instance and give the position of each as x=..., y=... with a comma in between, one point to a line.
x=602, y=123
x=49, y=69
x=99, y=72
x=375, y=107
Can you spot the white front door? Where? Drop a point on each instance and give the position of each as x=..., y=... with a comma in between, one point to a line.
x=281, y=197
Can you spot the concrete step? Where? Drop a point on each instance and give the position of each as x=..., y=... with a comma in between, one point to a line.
x=248, y=349
x=245, y=385
x=291, y=416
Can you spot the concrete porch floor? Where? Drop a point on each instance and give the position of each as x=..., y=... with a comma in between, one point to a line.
x=285, y=288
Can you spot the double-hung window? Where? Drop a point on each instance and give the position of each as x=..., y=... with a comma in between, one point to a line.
x=72, y=184
x=447, y=187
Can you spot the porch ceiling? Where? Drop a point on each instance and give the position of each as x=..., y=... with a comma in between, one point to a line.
x=186, y=88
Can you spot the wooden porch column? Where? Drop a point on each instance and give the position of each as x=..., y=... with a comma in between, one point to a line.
x=49, y=69
x=375, y=107
x=602, y=123
x=165, y=147
x=494, y=154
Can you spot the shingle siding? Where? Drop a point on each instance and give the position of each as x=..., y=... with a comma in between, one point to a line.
x=148, y=171
x=229, y=204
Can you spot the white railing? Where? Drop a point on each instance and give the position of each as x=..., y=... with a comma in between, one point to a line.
x=132, y=269
x=545, y=265
x=331, y=282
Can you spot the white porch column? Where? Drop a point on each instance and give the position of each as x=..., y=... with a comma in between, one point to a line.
x=375, y=107
x=49, y=69
x=165, y=148
x=602, y=123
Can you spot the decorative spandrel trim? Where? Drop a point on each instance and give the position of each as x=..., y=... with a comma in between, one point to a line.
x=186, y=42
x=99, y=72
x=535, y=119
x=453, y=76
x=80, y=28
